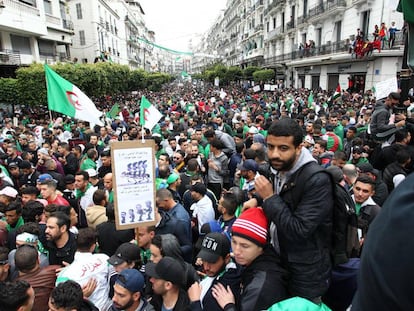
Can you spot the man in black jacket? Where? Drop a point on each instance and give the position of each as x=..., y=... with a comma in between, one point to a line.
x=300, y=228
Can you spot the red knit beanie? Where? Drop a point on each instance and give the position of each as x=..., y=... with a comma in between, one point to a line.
x=252, y=225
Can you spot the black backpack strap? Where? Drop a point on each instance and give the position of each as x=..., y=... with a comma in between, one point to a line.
x=299, y=178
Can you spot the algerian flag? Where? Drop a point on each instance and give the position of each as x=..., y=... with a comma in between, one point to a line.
x=149, y=115
x=114, y=111
x=66, y=98
x=337, y=93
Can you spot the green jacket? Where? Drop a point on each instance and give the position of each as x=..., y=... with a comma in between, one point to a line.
x=298, y=304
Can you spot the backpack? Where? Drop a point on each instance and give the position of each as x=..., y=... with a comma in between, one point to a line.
x=345, y=243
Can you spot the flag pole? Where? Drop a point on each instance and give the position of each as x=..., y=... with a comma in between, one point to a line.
x=50, y=116
x=142, y=135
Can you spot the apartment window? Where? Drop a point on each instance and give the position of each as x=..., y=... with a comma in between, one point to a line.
x=82, y=40
x=318, y=36
x=21, y=44
x=274, y=22
x=338, y=26
x=46, y=47
x=48, y=6
x=267, y=27
x=79, y=11
x=365, y=23
x=62, y=10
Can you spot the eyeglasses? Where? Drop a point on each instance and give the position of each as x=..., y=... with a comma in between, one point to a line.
x=3, y=262
x=176, y=158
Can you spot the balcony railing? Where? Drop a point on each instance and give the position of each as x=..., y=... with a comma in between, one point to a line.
x=67, y=24
x=21, y=7
x=319, y=9
x=290, y=25
x=273, y=5
x=10, y=57
x=52, y=19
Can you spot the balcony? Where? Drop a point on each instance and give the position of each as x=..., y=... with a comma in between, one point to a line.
x=327, y=9
x=301, y=20
x=290, y=25
x=272, y=6
x=9, y=57
x=67, y=24
x=50, y=19
x=316, y=11
x=21, y=7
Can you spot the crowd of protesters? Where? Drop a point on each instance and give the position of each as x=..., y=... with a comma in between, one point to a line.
x=231, y=231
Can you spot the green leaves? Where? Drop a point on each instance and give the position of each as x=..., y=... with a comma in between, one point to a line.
x=93, y=79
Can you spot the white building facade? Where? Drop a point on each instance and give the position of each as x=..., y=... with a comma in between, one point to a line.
x=33, y=31
x=308, y=42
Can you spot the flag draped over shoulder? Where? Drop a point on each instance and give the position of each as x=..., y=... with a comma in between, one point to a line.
x=66, y=98
x=149, y=115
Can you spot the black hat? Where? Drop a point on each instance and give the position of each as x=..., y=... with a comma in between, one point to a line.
x=168, y=269
x=125, y=252
x=249, y=165
x=214, y=246
x=69, y=179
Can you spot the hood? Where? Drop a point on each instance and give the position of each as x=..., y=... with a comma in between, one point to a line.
x=305, y=156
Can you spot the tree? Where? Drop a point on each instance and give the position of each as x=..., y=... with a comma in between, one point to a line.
x=265, y=75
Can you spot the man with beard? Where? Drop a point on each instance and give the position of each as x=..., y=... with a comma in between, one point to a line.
x=128, y=290
x=61, y=242
x=300, y=227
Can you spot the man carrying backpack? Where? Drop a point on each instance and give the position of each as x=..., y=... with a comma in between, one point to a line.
x=301, y=223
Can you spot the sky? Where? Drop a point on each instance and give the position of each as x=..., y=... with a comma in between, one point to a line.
x=175, y=22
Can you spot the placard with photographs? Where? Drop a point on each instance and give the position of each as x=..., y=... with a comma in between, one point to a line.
x=133, y=168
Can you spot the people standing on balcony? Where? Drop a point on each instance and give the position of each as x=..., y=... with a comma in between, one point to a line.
x=383, y=34
x=391, y=32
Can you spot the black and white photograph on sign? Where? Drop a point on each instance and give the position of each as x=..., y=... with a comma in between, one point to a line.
x=134, y=183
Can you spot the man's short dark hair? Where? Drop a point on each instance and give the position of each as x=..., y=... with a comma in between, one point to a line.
x=13, y=295
x=216, y=143
x=322, y=143
x=394, y=95
x=192, y=165
x=62, y=219
x=287, y=127
x=50, y=183
x=98, y=196
x=14, y=206
x=400, y=135
x=230, y=202
x=340, y=155
x=366, y=179
x=86, y=238
x=84, y=174
x=29, y=190
x=67, y=295
x=32, y=209
x=210, y=133
x=29, y=227
x=26, y=258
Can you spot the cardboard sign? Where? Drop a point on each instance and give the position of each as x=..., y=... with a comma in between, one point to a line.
x=133, y=168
